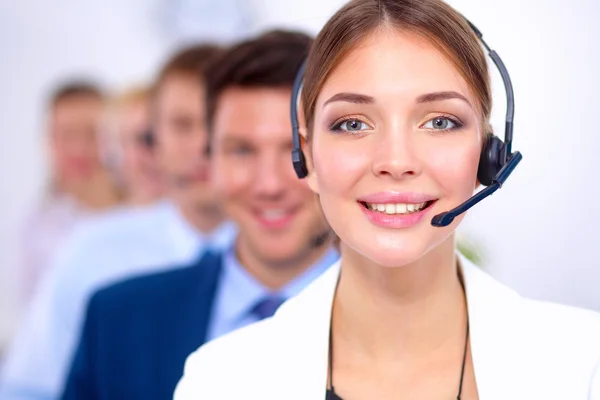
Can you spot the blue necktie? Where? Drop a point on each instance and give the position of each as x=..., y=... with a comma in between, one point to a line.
x=267, y=307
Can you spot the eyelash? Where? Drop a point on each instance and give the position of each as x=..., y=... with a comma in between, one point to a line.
x=457, y=123
x=336, y=126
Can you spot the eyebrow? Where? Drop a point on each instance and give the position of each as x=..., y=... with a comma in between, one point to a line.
x=357, y=98
x=350, y=98
x=439, y=96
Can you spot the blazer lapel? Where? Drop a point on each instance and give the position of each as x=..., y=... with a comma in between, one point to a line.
x=305, y=321
x=495, y=341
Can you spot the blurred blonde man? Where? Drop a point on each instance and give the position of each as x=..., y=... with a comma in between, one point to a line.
x=130, y=146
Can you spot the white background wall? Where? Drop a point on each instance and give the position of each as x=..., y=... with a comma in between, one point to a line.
x=539, y=231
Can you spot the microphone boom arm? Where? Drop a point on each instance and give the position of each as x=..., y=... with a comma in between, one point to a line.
x=446, y=218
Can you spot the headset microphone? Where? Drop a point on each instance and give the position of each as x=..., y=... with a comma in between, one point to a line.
x=447, y=217
x=496, y=161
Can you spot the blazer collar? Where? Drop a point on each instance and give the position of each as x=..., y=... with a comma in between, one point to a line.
x=492, y=311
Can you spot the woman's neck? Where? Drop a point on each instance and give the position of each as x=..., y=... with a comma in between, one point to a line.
x=403, y=312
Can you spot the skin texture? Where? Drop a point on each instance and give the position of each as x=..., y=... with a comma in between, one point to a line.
x=139, y=167
x=181, y=143
x=74, y=126
x=399, y=317
x=276, y=213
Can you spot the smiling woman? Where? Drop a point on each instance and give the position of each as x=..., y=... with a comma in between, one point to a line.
x=397, y=101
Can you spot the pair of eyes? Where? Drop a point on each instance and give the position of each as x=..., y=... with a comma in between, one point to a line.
x=352, y=125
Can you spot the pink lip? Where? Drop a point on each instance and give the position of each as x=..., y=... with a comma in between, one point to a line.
x=396, y=197
x=395, y=221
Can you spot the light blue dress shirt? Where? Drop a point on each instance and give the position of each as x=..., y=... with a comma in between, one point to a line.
x=118, y=245
x=238, y=292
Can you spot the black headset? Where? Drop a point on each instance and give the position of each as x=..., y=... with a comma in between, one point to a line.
x=496, y=162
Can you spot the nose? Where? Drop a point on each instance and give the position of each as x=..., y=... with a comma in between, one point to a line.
x=269, y=179
x=396, y=155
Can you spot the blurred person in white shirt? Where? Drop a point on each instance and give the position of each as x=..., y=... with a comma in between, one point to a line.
x=130, y=241
x=79, y=185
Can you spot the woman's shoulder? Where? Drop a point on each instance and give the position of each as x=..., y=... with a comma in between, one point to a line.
x=513, y=336
x=557, y=325
x=493, y=300
x=562, y=344
x=550, y=313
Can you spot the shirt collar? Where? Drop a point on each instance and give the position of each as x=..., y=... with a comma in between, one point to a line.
x=244, y=291
x=187, y=239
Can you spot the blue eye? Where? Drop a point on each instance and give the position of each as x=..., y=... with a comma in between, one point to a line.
x=442, y=124
x=241, y=150
x=350, y=125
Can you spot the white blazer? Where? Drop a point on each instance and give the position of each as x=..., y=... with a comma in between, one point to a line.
x=521, y=349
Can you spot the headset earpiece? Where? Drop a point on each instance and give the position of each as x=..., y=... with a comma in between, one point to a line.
x=299, y=162
x=492, y=160
x=298, y=159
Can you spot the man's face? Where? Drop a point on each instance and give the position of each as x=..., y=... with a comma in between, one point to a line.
x=181, y=138
x=276, y=213
x=74, y=125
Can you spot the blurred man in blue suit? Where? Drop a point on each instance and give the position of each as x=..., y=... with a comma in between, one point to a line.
x=130, y=241
x=138, y=333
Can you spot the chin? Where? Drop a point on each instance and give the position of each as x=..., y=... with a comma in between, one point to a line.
x=278, y=255
x=389, y=252
x=391, y=258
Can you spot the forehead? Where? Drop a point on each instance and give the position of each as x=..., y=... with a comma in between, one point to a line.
x=74, y=106
x=181, y=92
x=397, y=63
x=256, y=114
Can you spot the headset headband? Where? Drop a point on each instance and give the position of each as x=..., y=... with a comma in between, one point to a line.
x=298, y=156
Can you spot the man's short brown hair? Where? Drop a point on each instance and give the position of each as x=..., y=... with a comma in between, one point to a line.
x=75, y=88
x=190, y=61
x=269, y=60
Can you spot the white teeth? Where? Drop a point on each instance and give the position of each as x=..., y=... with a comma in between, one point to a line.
x=273, y=214
x=398, y=208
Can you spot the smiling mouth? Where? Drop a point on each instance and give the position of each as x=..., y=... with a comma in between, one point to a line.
x=397, y=208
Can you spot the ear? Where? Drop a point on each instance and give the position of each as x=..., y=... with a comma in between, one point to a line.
x=306, y=149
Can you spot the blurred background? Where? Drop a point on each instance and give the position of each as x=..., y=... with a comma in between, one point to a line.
x=537, y=235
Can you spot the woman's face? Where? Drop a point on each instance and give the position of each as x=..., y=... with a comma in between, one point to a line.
x=396, y=141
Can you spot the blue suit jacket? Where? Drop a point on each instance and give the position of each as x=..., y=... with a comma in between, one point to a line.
x=138, y=334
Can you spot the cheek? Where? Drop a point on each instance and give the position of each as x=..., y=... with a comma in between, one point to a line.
x=455, y=169
x=231, y=179
x=338, y=167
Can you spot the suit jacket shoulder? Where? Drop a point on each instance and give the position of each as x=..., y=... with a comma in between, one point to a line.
x=157, y=287
x=138, y=333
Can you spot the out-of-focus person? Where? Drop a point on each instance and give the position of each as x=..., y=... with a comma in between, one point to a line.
x=129, y=241
x=130, y=146
x=78, y=185
x=138, y=333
